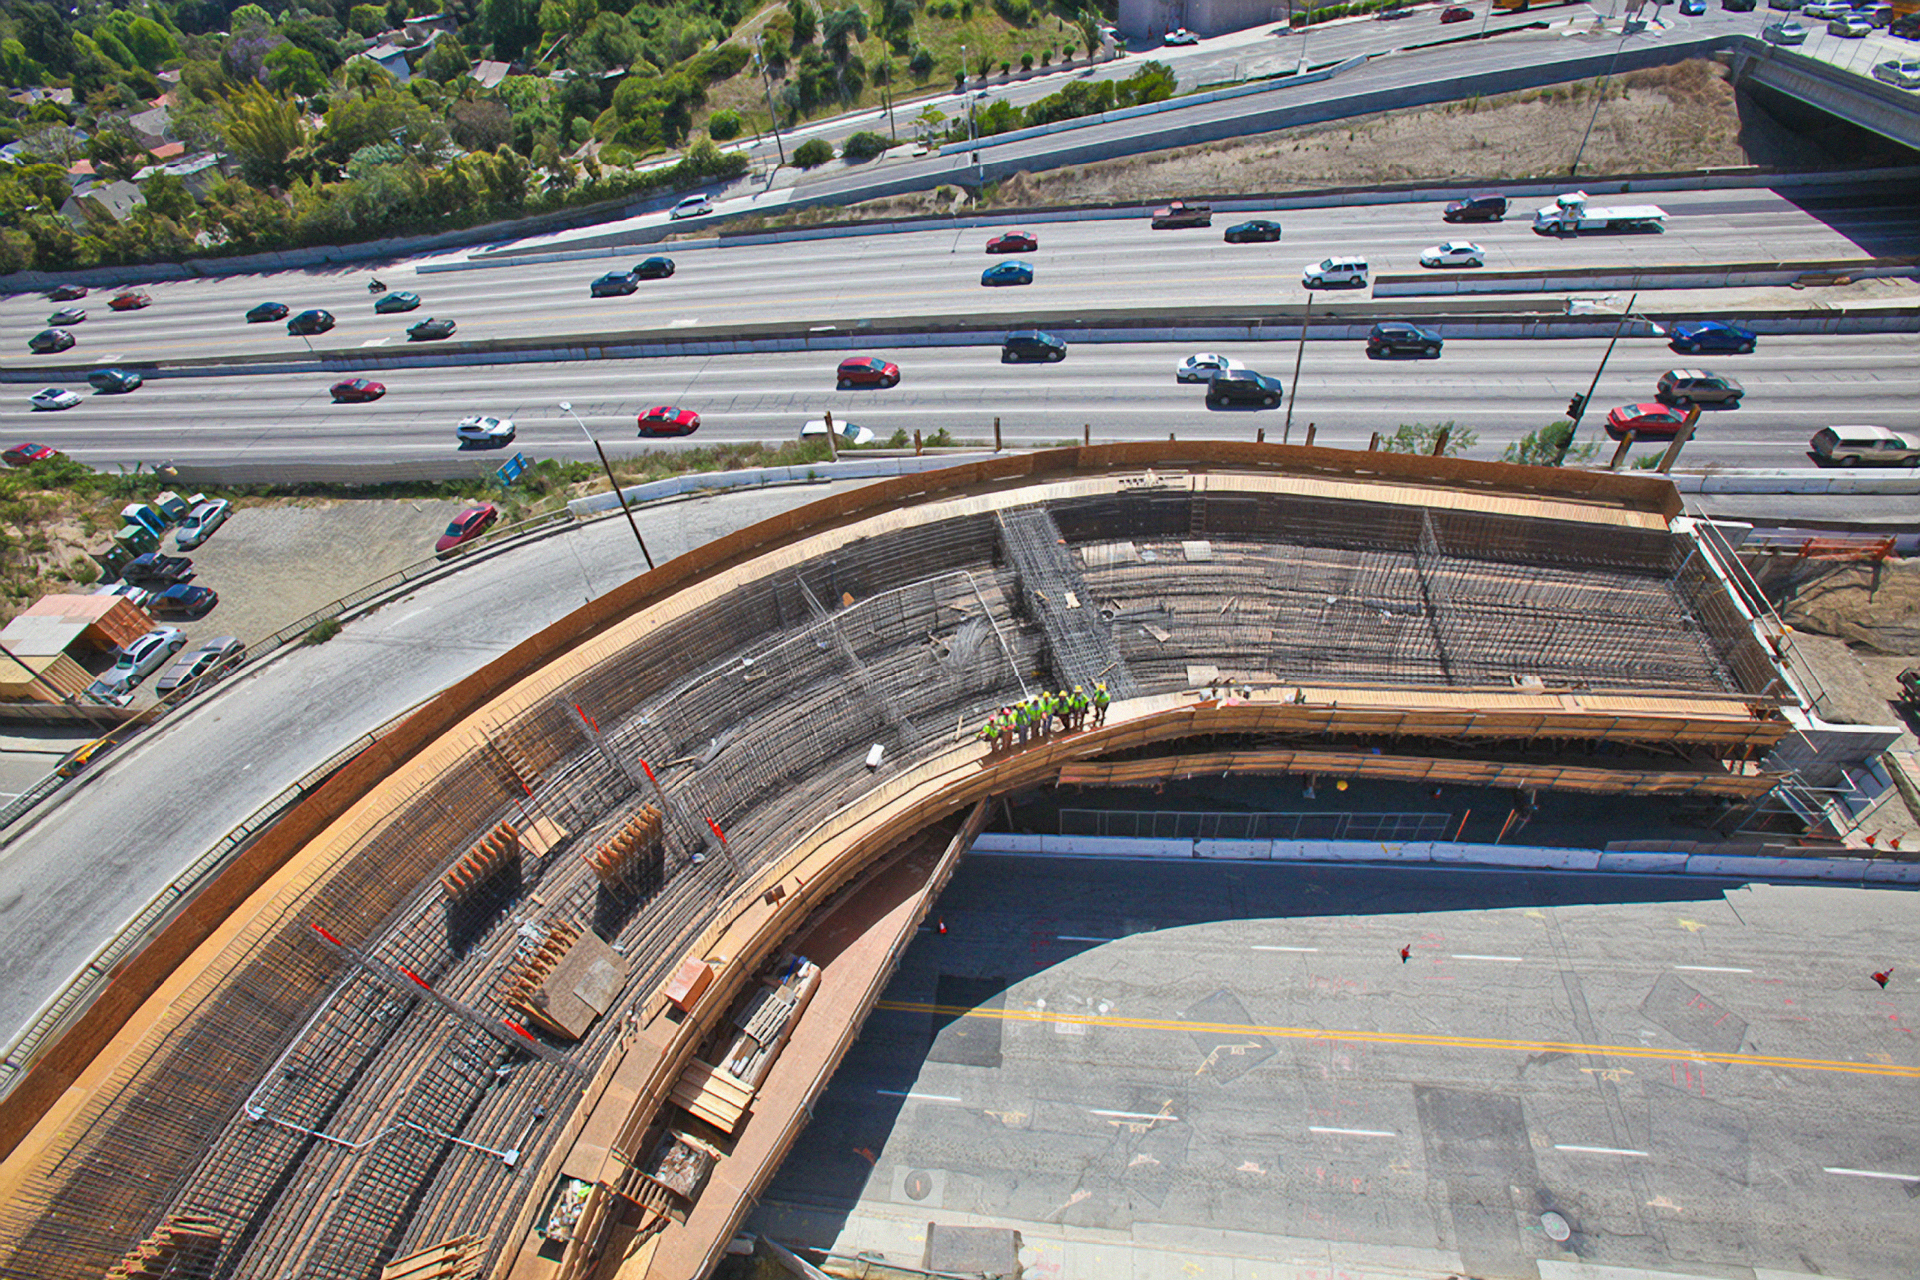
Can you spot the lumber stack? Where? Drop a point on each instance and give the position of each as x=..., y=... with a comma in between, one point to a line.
x=455, y=1259
x=495, y=851
x=614, y=860
x=182, y=1244
x=531, y=974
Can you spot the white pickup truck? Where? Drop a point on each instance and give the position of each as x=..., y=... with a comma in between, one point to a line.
x=1571, y=212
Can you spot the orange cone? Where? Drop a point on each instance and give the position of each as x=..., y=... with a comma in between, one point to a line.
x=943, y=926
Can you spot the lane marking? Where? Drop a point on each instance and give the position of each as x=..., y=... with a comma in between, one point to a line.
x=1354, y=1133
x=1259, y=948
x=1643, y=1053
x=1874, y=1173
x=1498, y=959
x=1131, y=1115
x=1074, y=937
x=917, y=1097
x=1601, y=1151
x=1708, y=968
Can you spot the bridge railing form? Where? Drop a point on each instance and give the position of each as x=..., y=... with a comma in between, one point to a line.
x=1199, y=824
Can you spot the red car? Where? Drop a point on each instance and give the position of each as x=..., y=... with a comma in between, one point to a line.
x=868, y=371
x=1013, y=242
x=1645, y=420
x=467, y=526
x=665, y=420
x=131, y=300
x=1457, y=13
x=25, y=455
x=358, y=391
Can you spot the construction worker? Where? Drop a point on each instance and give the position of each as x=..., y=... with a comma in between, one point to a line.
x=1042, y=714
x=990, y=734
x=1023, y=720
x=1100, y=700
x=1079, y=707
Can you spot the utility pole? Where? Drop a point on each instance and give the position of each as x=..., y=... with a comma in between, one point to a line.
x=1286, y=431
x=773, y=117
x=619, y=497
x=1577, y=406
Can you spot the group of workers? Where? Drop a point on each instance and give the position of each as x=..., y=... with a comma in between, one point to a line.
x=1034, y=717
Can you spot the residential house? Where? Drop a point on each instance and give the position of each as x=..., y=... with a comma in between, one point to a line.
x=392, y=59
x=490, y=74
x=112, y=201
x=152, y=127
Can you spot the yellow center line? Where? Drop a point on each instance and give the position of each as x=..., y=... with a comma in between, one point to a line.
x=1414, y=1039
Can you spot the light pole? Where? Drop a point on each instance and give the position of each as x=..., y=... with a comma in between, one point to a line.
x=766, y=81
x=1577, y=408
x=1599, y=97
x=619, y=497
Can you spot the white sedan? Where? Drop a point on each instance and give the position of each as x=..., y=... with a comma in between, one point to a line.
x=201, y=522
x=1454, y=253
x=54, y=398
x=1181, y=36
x=484, y=431
x=848, y=433
x=1204, y=367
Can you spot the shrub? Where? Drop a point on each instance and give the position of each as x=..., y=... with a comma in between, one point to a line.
x=1046, y=57
x=1006, y=68
x=1419, y=437
x=864, y=145
x=723, y=125
x=1018, y=12
x=921, y=63
x=813, y=153
x=322, y=631
x=1540, y=448
x=1026, y=62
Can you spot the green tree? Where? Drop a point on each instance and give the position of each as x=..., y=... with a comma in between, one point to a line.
x=367, y=20
x=115, y=153
x=151, y=44
x=109, y=44
x=16, y=67
x=481, y=125
x=266, y=133
x=250, y=15
x=1419, y=437
x=1541, y=448
x=865, y=145
x=512, y=26
x=813, y=153
x=292, y=70
x=168, y=197
x=723, y=125
x=805, y=23
x=44, y=35
x=446, y=62
x=356, y=122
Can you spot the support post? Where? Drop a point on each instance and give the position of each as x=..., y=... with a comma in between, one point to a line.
x=1620, y=454
x=833, y=448
x=1299, y=355
x=996, y=435
x=1310, y=430
x=1680, y=438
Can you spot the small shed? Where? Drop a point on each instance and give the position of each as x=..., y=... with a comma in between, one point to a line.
x=106, y=622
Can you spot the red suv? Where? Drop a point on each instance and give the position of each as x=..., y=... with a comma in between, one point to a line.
x=868, y=371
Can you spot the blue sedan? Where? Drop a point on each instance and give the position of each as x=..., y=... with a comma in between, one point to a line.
x=1008, y=273
x=1712, y=335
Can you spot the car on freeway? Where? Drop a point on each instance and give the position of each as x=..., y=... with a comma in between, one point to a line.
x=267, y=311
x=1645, y=420
x=183, y=601
x=1014, y=242
x=668, y=420
x=1335, y=271
x=126, y=591
x=1456, y=13
x=67, y=315
x=357, y=391
x=867, y=371
x=1007, y=273
x=1693, y=8
x=115, y=382
x=66, y=293
x=654, y=268
x=1851, y=446
x=1180, y=35
x=152, y=569
x=1697, y=386
x=201, y=522
x=137, y=660
x=1852, y=27
x=48, y=341
x=1784, y=33
x=204, y=665
x=1244, y=386
x=1205, y=366
x=130, y=300
x=1182, y=213
x=1394, y=337
x=1256, y=231
x=1454, y=253
x=54, y=398
x=391, y=303
x=467, y=526
x=691, y=207
x=848, y=433
x=484, y=431
x=1392, y=15
x=1482, y=207
x=430, y=329
x=614, y=284
x=1692, y=336
x=1902, y=73
x=1032, y=344
x=310, y=322
x=28, y=453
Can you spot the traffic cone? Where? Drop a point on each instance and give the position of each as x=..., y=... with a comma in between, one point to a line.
x=943, y=927
x=1873, y=839
x=1406, y=954
x=1882, y=977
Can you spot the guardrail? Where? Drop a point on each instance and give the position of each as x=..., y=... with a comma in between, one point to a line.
x=1705, y=276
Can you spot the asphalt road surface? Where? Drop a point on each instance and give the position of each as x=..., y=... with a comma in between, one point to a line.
x=1231, y=1067
x=1125, y=391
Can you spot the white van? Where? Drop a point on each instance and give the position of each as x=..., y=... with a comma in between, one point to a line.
x=691, y=207
x=1851, y=446
x=1335, y=271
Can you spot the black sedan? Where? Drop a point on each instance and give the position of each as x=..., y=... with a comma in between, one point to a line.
x=182, y=601
x=614, y=284
x=429, y=329
x=267, y=311
x=49, y=340
x=66, y=292
x=1254, y=232
x=396, y=302
x=115, y=381
x=654, y=269
x=310, y=322
x=1244, y=386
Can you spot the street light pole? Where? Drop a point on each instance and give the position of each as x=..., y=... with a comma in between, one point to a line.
x=619, y=497
x=1584, y=401
x=773, y=117
x=1599, y=98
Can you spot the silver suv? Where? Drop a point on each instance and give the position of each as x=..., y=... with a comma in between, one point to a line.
x=1850, y=446
x=1697, y=386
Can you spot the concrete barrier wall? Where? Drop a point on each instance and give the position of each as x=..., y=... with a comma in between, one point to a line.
x=756, y=477
x=1723, y=276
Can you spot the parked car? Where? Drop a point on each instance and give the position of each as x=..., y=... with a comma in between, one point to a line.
x=1032, y=344
x=1485, y=207
x=358, y=391
x=1454, y=253
x=67, y=315
x=848, y=433
x=1244, y=386
x=1852, y=27
x=152, y=569
x=66, y=292
x=691, y=207
x=54, y=398
x=48, y=341
x=1013, y=242
x=668, y=420
x=1256, y=231
x=1180, y=35
x=267, y=311
x=204, y=665
x=1875, y=446
x=1693, y=336
x=1693, y=8
x=1824, y=9
x=130, y=300
x=1902, y=73
x=183, y=601
x=1787, y=6
x=1456, y=13
x=1334, y=272
x=867, y=371
x=115, y=381
x=1393, y=337
x=1739, y=6
x=126, y=591
x=483, y=431
x=430, y=329
x=391, y=303
x=201, y=522
x=1645, y=420
x=1698, y=386
x=614, y=284
x=25, y=455
x=467, y=526
x=655, y=268
x=141, y=658
x=1204, y=366
x=1784, y=33
x=1007, y=273
x=310, y=322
